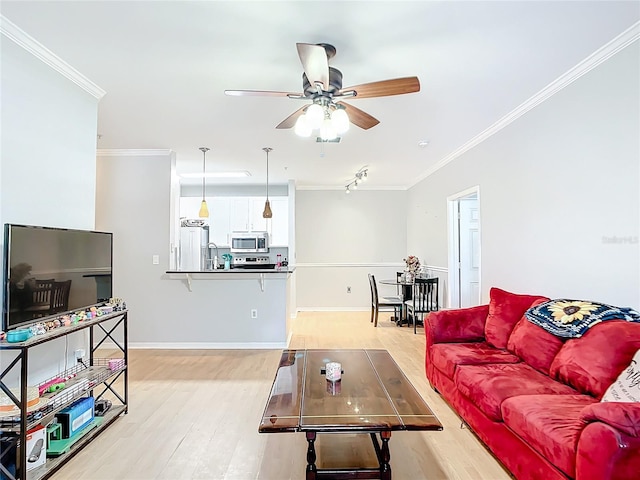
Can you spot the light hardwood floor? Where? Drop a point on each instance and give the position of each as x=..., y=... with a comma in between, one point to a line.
x=194, y=414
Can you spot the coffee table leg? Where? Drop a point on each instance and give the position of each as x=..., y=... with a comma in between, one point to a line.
x=385, y=468
x=312, y=471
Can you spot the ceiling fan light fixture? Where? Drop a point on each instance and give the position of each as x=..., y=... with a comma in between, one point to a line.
x=328, y=130
x=302, y=127
x=322, y=86
x=314, y=116
x=340, y=120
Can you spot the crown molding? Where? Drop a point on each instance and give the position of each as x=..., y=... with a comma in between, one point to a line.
x=355, y=191
x=626, y=38
x=132, y=152
x=31, y=45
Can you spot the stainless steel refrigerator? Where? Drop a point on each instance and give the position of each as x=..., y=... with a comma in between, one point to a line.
x=194, y=248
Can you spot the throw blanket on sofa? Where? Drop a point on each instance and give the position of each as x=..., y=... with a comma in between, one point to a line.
x=572, y=318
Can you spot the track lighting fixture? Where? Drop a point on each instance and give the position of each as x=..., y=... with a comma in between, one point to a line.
x=360, y=176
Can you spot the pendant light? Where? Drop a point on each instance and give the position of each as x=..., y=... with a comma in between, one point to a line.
x=267, y=207
x=204, y=210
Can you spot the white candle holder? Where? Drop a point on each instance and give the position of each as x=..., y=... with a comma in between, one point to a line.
x=333, y=371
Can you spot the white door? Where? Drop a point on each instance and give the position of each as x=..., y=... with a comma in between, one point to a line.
x=464, y=249
x=469, y=250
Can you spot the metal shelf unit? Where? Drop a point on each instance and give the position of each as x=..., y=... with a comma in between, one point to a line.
x=92, y=379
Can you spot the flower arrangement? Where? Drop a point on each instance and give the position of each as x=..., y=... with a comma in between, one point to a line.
x=413, y=264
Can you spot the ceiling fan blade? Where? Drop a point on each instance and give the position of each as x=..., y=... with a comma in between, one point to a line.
x=358, y=117
x=290, y=121
x=385, y=88
x=259, y=93
x=315, y=63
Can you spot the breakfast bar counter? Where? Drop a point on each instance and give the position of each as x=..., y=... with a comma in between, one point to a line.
x=235, y=308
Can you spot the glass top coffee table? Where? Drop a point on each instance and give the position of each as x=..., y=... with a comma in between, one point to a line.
x=373, y=397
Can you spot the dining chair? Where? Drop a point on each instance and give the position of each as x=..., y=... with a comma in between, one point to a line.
x=60, y=296
x=41, y=298
x=425, y=299
x=403, y=293
x=378, y=304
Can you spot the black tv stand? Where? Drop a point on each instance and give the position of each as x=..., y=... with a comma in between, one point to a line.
x=102, y=381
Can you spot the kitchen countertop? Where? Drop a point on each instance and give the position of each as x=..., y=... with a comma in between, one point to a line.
x=239, y=274
x=232, y=271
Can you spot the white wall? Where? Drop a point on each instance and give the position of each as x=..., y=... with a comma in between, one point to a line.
x=340, y=239
x=48, y=144
x=554, y=186
x=47, y=162
x=134, y=202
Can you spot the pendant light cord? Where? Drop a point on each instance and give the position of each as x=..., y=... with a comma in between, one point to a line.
x=204, y=151
x=267, y=149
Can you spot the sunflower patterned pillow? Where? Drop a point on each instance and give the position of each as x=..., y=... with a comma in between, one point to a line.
x=572, y=318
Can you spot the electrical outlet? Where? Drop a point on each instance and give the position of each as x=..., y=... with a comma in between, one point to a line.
x=254, y=313
x=348, y=289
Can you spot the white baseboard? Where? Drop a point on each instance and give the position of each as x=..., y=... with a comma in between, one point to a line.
x=334, y=309
x=209, y=346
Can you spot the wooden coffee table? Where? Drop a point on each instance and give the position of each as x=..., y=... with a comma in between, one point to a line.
x=373, y=397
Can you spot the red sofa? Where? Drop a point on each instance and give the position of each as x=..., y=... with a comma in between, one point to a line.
x=534, y=398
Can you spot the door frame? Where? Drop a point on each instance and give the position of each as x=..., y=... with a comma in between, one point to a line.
x=453, y=244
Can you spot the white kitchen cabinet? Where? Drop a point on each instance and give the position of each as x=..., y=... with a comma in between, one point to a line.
x=219, y=220
x=278, y=226
x=189, y=207
x=219, y=217
x=241, y=214
x=256, y=207
x=246, y=214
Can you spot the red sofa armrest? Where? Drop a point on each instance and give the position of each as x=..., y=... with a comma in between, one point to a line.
x=453, y=326
x=460, y=325
x=606, y=453
x=623, y=416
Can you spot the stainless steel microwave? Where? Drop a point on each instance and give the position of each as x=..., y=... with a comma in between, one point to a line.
x=249, y=242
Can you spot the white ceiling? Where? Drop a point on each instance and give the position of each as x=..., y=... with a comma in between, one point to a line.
x=165, y=66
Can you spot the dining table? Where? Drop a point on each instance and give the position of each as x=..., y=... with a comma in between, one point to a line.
x=406, y=294
x=406, y=289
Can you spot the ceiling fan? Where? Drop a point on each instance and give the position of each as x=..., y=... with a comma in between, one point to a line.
x=322, y=86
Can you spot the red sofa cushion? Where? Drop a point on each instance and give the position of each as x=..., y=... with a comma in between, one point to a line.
x=505, y=310
x=447, y=356
x=487, y=386
x=551, y=424
x=534, y=345
x=592, y=362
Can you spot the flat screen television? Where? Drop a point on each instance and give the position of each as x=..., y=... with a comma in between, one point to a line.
x=50, y=271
